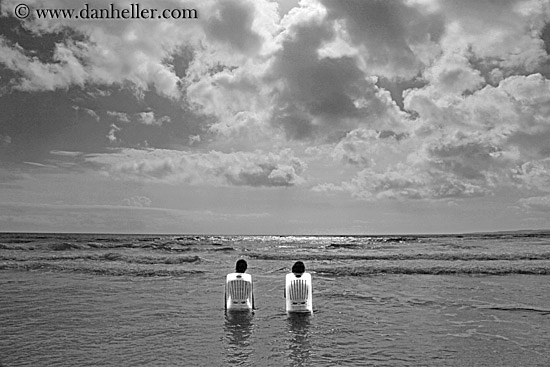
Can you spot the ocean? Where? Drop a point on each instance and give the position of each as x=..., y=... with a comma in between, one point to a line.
x=157, y=300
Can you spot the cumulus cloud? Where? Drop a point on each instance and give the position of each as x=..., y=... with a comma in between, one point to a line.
x=319, y=95
x=119, y=116
x=148, y=118
x=214, y=168
x=470, y=77
x=406, y=182
x=535, y=175
x=394, y=39
x=458, y=146
x=133, y=51
x=232, y=24
x=306, y=83
x=66, y=69
x=504, y=34
x=323, y=72
x=367, y=148
x=321, y=78
x=453, y=74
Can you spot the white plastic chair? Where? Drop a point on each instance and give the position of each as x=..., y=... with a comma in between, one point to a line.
x=298, y=293
x=239, y=292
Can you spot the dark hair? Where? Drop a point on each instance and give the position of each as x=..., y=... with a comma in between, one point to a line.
x=241, y=266
x=298, y=267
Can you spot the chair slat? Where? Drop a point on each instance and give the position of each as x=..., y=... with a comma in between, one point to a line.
x=239, y=289
x=299, y=291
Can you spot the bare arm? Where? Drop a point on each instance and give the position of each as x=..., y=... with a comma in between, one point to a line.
x=253, y=307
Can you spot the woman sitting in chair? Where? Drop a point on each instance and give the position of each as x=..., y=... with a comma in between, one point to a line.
x=298, y=289
x=239, y=295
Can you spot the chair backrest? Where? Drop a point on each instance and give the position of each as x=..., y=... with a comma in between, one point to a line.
x=298, y=292
x=238, y=291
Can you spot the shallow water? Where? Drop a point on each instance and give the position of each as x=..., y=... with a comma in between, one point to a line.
x=146, y=301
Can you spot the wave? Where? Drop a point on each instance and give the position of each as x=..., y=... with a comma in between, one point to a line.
x=110, y=256
x=517, y=308
x=459, y=256
x=466, y=269
x=109, y=271
x=74, y=246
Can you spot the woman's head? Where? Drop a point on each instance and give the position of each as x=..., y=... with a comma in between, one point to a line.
x=298, y=267
x=241, y=266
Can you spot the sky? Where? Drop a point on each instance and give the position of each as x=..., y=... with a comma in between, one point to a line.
x=277, y=117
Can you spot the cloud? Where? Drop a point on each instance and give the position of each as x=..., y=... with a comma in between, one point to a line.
x=111, y=134
x=61, y=153
x=394, y=39
x=469, y=78
x=537, y=203
x=119, y=51
x=405, y=182
x=88, y=112
x=65, y=70
x=503, y=33
x=5, y=140
x=305, y=84
x=148, y=118
x=320, y=95
x=453, y=74
x=457, y=146
x=535, y=175
x=368, y=148
x=137, y=201
x=194, y=139
x=232, y=24
x=257, y=169
x=119, y=116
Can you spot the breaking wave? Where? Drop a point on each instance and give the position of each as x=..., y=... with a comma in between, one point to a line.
x=404, y=257
x=111, y=271
x=439, y=269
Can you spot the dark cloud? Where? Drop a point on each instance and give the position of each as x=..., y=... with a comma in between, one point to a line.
x=467, y=160
x=232, y=24
x=318, y=93
x=545, y=36
x=532, y=145
x=486, y=11
x=389, y=30
x=180, y=60
x=397, y=86
x=41, y=46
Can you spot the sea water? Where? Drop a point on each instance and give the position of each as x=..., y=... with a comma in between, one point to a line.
x=137, y=300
